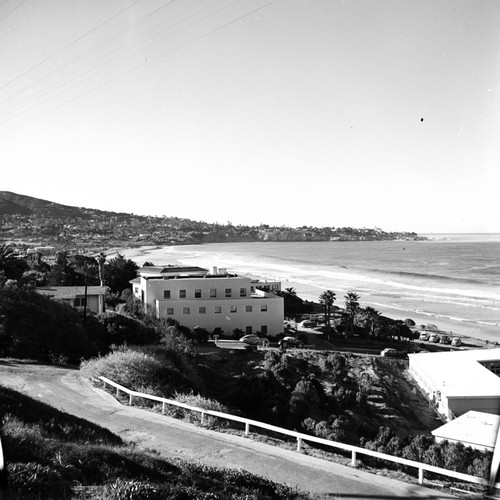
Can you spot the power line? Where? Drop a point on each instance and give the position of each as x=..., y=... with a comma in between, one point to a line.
x=11, y=11
x=191, y=42
x=68, y=45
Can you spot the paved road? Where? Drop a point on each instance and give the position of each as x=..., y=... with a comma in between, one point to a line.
x=63, y=389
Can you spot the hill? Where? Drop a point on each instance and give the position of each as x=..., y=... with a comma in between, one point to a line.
x=48, y=223
x=18, y=204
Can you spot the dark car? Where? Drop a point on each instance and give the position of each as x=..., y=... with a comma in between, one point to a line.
x=293, y=342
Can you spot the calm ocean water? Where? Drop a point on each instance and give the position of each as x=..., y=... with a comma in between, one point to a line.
x=452, y=279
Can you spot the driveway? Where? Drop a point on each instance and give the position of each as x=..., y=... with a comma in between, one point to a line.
x=65, y=390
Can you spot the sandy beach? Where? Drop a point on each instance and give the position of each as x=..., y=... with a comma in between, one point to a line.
x=206, y=256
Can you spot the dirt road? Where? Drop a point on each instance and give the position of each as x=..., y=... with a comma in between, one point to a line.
x=63, y=389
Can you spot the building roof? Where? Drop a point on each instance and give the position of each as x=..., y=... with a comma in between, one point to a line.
x=474, y=428
x=460, y=373
x=171, y=269
x=70, y=292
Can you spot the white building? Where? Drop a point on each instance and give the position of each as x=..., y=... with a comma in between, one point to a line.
x=217, y=302
x=459, y=381
x=475, y=429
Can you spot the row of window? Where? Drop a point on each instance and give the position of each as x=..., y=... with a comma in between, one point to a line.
x=228, y=293
x=217, y=309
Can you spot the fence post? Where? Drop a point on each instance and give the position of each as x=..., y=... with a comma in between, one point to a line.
x=247, y=428
x=420, y=475
x=163, y=407
x=130, y=400
x=353, y=460
x=117, y=392
x=299, y=443
x=202, y=416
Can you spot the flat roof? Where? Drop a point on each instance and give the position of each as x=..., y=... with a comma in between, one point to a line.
x=69, y=292
x=473, y=428
x=171, y=269
x=459, y=373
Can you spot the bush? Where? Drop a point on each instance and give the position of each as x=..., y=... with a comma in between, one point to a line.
x=151, y=373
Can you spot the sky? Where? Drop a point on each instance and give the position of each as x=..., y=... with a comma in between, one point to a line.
x=335, y=113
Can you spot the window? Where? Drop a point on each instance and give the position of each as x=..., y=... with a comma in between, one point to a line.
x=263, y=329
x=79, y=302
x=228, y=292
x=182, y=294
x=248, y=330
x=233, y=309
x=213, y=293
x=166, y=294
x=202, y=310
x=243, y=292
x=248, y=309
x=217, y=309
x=170, y=311
x=197, y=294
x=263, y=307
x=186, y=310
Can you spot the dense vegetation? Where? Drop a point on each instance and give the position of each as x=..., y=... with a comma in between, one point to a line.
x=53, y=455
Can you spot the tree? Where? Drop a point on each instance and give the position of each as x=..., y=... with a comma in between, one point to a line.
x=101, y=260
x=372, y=316
x=118, y=273
x=327, y=298
x=10, y=264
x=351, y=308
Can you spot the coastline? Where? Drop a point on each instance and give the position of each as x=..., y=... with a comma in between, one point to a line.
x=205, y=256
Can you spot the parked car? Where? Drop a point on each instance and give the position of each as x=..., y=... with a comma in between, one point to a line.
x=456, y=341
x=423, y=336
x=251, y=339
x=389, y=352
x=415, y=347
x=293, y=342
x=445, y=339
x=434, y=337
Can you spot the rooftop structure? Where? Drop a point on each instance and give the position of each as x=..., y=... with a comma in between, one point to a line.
x=217, y=301
x=459, y=381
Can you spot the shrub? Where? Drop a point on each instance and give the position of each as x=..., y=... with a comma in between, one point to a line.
x=139, y=371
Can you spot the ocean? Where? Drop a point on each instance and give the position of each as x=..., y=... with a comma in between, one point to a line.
x=451, y=281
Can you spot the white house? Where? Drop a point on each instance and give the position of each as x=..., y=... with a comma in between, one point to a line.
x=217, y=302
x=75, y=295
x=459, y=381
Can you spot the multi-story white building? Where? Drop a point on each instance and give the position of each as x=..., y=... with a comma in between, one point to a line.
x=217, y=302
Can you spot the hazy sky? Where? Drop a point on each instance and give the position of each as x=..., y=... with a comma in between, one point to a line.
x=318, y=112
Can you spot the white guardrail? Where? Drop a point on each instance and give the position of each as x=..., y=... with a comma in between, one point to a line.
x=355, y=450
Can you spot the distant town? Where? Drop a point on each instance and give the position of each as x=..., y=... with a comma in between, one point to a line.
x=39, y=223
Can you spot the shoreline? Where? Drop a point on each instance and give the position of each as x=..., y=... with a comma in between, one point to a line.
x=307, y=291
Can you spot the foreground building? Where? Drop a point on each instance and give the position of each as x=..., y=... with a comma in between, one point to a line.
x=459, y=381
x=475, y=429
x=218, y=302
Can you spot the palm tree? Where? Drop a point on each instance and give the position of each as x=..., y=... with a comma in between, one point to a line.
x=372, y=316
x=327, y=298
x=10, y=264
x=351, y=307
x=101, y=259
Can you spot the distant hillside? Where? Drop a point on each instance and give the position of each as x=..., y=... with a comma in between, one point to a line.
x=27, y=218
x=18, y=204
x=12, y=203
